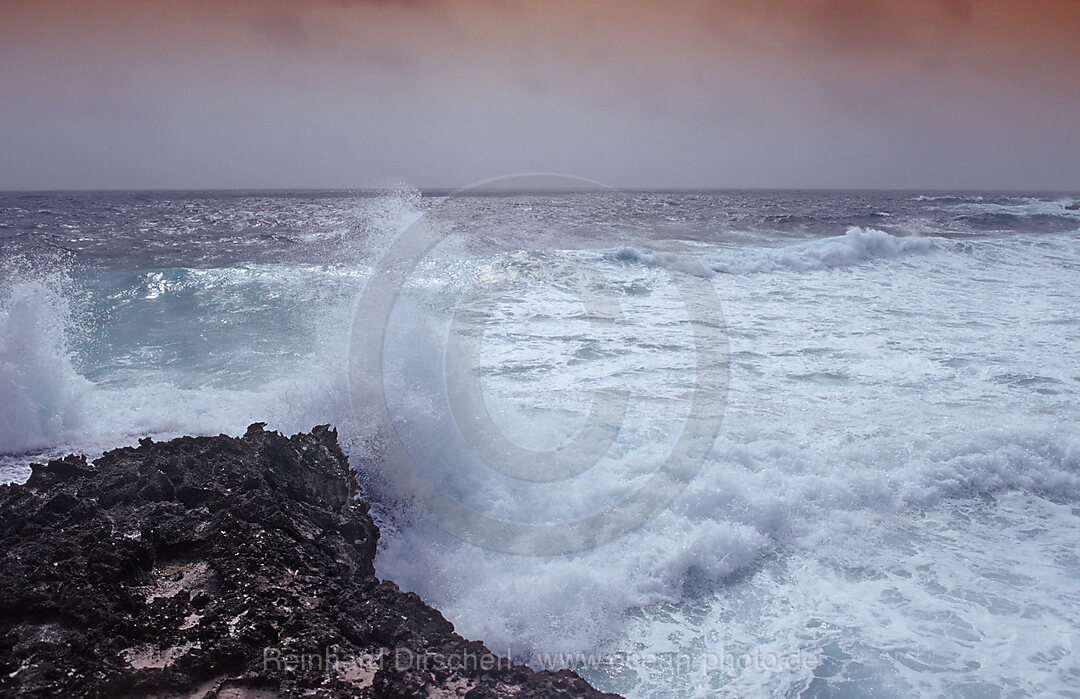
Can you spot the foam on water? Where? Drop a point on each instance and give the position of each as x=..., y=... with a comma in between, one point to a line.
x=857, y=246
x=846, y=419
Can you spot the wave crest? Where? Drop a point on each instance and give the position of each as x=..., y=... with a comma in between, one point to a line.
x=857, y=246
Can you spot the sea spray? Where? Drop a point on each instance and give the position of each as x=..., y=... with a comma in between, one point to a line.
x=44, y=397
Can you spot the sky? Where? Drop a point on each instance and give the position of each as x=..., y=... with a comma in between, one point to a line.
x=204, y=94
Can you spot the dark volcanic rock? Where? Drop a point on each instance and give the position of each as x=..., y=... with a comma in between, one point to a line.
x=218, y=566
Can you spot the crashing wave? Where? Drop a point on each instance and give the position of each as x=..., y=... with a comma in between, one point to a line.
x=857, y=246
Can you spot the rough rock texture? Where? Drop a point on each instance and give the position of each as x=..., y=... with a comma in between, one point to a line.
x=227, y=567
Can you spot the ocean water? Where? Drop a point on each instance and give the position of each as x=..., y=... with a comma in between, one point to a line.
x=890, y=505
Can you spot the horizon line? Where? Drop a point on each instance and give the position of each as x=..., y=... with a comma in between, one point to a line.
x=479, y=191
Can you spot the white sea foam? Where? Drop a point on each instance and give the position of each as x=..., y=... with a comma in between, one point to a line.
x=857, y=246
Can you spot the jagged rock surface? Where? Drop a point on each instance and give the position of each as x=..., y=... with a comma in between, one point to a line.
x=221, y=567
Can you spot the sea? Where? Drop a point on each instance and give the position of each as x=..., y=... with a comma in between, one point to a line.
x=689, y=444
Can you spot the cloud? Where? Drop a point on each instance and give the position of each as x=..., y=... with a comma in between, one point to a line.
x=845, y=27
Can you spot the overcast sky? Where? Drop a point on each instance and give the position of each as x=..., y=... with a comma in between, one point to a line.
x=440, y=93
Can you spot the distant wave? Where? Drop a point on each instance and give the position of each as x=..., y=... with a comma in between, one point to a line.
x=948, y=198
x=1008, y=213
x=1032, y=221
x=857, y=246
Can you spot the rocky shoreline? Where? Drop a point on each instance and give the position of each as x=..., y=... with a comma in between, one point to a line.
x=222, y=567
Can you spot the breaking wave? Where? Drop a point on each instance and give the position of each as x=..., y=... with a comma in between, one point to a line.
x=857, y=246
x=44, y=397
